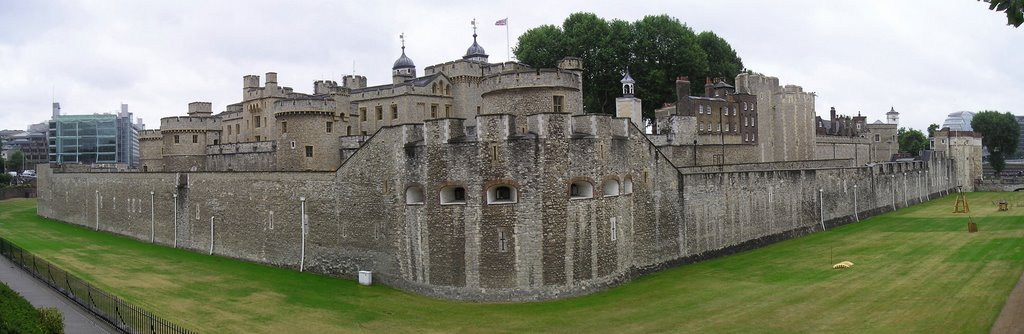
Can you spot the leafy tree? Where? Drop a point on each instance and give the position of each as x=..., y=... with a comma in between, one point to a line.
x=911, y=141
x=931, y=130
x=655, y=50
x=1014, y=10
x=16, y=162
x=1000, y=133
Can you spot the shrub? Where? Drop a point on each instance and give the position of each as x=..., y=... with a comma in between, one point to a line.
x=16, y=314
x=51, y=320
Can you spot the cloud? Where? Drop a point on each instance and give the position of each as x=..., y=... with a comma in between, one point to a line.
x=925, y=58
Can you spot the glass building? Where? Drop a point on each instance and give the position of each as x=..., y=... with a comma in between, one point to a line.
x=85, y=139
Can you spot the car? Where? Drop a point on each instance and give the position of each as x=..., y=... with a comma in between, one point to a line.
x=28, y=173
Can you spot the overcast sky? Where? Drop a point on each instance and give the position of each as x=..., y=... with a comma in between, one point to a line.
x=925, y=58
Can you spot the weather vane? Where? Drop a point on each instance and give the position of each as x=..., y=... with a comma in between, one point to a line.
x=402, y=37
x=473, y=23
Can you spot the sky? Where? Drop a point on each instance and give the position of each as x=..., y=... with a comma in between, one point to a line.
x=925, y=58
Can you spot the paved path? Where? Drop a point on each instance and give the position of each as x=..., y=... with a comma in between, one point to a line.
x=1011, y=319
x=76, y=318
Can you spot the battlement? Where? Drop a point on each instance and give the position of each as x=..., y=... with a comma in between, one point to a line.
x=457, y=68
x=189, y=123
x=200, y=109
x=539, y=78
x=321, y=87
x=600, y=125
x=509, y=66
x=353, y=81
x=152, y=134
x=745, y=81
x=295, y=106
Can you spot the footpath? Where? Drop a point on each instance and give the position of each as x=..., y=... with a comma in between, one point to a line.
x=76, y=319
x=1011, y=319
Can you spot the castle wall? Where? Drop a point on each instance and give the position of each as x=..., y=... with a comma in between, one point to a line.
x=838, y=147
x=544, y=244
x=250, y=156
x=785, y=117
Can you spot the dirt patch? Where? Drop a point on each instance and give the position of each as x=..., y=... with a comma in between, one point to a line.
x=1011, y=319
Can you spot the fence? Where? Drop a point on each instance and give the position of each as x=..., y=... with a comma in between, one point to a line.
x=124, y=315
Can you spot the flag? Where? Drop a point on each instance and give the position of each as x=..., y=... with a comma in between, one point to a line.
x=502, y=22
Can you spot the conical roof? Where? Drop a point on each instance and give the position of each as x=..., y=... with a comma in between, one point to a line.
x=403, y=61
x=475, y=50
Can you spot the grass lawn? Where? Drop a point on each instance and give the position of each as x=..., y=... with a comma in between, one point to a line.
x=916, y=270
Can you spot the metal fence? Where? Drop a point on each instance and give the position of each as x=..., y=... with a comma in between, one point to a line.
x=124, y=315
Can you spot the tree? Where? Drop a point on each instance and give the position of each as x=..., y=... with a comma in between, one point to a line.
x=16, y=162
x=1014, y=10
x=911, y=141
x=655, y=50
x=1000, y=133
x=931, y=129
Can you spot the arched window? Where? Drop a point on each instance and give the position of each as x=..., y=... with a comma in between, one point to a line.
x=414, y=195
x=627, y=186
x=453, y=195
x=448, y=90
x=433, y=88
x=581, y=190
x=610, y=188
x=502, y=194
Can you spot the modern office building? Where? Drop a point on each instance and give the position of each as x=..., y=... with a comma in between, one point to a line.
x=959, y=121
x=94, y=139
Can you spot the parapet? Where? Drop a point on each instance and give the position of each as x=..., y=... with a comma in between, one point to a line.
x=793, y=89
x=200, y=109
x=456, y=68
x=550, y=125
x=153, y=134
x=251, y=81
x=305, y=106
x=189, y=124
x=353, y=81
x=443, y=130
x=323, y=87
x=540, y=78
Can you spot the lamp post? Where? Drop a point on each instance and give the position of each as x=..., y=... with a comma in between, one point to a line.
x=175, y=220
x=302, y=227
x=152, y=217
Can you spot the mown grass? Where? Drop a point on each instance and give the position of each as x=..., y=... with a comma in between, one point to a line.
x=916, y=270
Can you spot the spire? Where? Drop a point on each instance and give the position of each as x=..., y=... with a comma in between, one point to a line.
x=475, y=51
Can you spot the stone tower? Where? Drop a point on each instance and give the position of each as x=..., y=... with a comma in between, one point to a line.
x=628, y=106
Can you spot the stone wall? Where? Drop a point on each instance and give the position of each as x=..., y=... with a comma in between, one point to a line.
x=594, y=204
x=838, y=147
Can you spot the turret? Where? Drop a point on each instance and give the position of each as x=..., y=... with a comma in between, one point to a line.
x=353, y=81
x=892, y=117
x=628, y=106
x=200, y=109
x=404, y=69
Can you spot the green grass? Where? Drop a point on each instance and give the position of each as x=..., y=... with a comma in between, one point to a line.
x=916, y=270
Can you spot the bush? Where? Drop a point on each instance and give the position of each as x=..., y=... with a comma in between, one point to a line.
x=51, y=320
x=16, y=314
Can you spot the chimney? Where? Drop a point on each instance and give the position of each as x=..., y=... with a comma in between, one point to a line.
x=709, y=88
x=683, y=96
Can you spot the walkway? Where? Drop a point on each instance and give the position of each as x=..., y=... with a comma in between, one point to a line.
x=1011, y=319
x=76, y=318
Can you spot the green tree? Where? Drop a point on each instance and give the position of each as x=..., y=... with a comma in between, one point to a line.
x=911, y=141
x=1014, y=10
x=1000, y=133
x=931, y=129
x=16, y=162
x=655, y=50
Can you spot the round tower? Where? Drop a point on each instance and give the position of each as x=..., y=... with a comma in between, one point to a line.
x=308, y=135
x=184, y=141
x=404, y=69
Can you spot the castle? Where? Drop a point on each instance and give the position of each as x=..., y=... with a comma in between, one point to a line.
x=488, y=182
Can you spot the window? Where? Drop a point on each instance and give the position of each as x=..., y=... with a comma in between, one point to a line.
x=256, y=121
x=701, y=126
x=581, y=190
x=362, y=114
x=176, y=139
x=414, y=195
x=394, y=111
x=726, y=127
x=502, y=195
x=611, y=188
x=433, y=111
x=309, y=151
x=258, y=138
x=380, y=112
x=284, y=127
x=238, y=129
x=613, y=228
x=744, y=106
x=447, y=110
x=348, y=130
x=229, y=129
x=330, y=127
x=627, y=186
x=477, y=110
x=502, y=241
x=557, y=103
x=293, y=144
x=448, y=90
x=719, y=127
x=195, y=139
x=453, y=195
x=878, y=137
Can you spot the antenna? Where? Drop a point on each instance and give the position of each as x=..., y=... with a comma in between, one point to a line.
x=353, y=67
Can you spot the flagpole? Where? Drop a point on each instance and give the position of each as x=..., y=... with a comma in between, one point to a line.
x=508, y=49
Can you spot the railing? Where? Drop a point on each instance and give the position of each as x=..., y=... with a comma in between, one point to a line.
x=125, y=316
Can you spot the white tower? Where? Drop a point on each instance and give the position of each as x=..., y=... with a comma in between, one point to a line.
x=892, y=117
